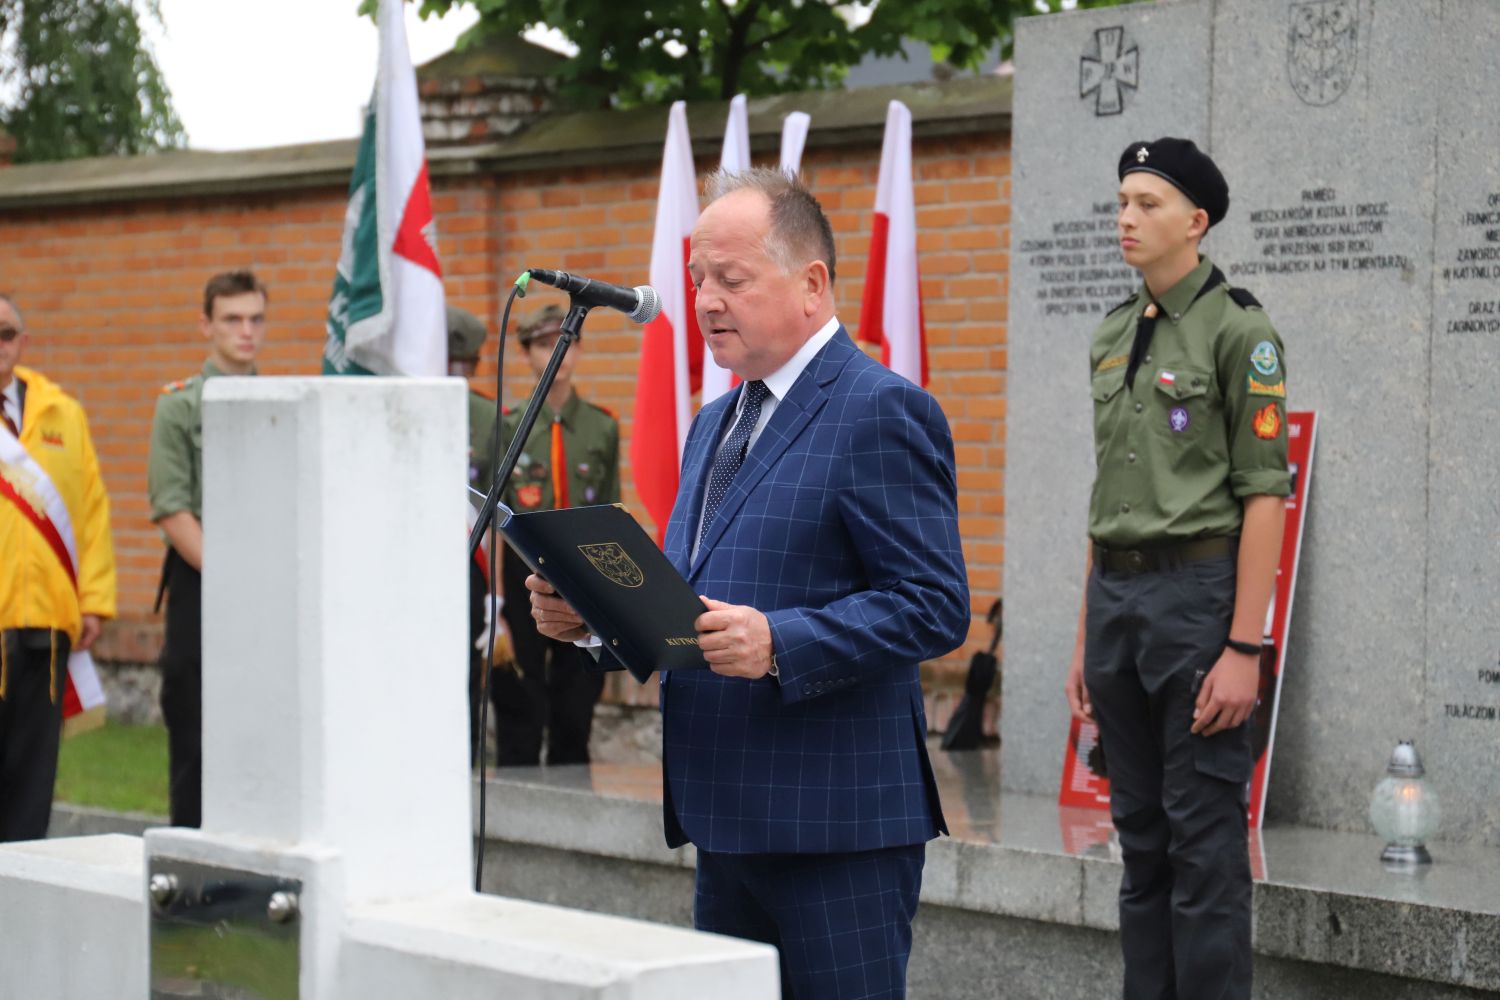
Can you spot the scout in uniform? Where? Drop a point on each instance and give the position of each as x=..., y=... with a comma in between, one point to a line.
x=1185, y=526
x=466, y=335
x=465, y=338
x=571, y=459
x=234, y=323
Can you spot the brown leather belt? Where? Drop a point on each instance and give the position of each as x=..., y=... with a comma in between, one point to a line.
x=1164, y=557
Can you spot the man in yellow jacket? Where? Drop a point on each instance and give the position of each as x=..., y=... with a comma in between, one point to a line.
x=57, y=574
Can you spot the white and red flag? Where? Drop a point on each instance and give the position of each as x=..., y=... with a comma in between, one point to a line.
x=891, y=314
x=385, y=316
x=793, y=138
x=734, y=159
x=735, y=156
x=671, y=348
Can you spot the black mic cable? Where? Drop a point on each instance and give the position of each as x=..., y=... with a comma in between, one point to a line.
x=489, y=653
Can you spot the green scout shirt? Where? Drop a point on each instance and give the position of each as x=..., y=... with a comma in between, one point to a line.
x=481, y=427
x=1203, y=427
x=174, y=472
x=591, y=447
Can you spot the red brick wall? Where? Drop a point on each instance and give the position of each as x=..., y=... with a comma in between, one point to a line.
x=112, y=295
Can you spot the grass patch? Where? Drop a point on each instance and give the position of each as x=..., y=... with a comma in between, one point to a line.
x=115, y=767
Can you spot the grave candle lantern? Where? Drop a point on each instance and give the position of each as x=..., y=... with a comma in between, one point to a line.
x=1404, y=809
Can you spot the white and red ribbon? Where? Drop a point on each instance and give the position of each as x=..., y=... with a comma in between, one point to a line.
x=26, y=485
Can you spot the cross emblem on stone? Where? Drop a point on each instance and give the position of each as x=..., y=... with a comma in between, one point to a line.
x=1106, y=72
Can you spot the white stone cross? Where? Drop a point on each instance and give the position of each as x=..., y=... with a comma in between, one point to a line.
x=335, y=734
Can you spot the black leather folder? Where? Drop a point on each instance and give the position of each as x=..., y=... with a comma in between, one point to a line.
x=614, y=576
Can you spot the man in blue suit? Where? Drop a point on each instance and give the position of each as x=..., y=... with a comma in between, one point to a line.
x=818, y=515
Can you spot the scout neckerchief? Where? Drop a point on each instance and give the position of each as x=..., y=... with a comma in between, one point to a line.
x=559, y=459
x=1145, y=326
x=26, y=486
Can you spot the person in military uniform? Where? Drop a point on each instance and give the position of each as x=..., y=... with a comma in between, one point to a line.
x=1185, y=527
x=571, y=459
x=465, y=338
x=466, y=335
x=234, y=324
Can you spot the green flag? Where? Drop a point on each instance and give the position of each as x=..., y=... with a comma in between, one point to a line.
x=385, y=316
x=357, y=296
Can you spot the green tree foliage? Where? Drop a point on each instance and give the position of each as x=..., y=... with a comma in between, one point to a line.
x=646, y=51
x=80, y=80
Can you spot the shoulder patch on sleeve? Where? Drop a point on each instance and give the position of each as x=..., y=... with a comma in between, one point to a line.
x=1244, y=299
x=1267, y=422
x=1122, y=305
x=172, y=387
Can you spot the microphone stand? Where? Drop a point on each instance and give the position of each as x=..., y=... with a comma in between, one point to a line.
x=572, y=325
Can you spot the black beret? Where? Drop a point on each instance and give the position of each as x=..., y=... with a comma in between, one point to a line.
x=548, y=320
x=465, y=335
x=1186, y=166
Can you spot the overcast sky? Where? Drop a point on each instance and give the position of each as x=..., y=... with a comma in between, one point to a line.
x=251, y=73
x=245, y=74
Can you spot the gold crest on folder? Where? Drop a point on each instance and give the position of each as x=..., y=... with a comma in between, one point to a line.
x=610, y=559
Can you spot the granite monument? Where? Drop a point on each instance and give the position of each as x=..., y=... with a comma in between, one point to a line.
x=1361, y=140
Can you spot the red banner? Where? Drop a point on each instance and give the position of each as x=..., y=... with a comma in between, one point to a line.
x=1083, y=781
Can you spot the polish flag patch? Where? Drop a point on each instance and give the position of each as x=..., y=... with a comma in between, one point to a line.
x=1167, y=378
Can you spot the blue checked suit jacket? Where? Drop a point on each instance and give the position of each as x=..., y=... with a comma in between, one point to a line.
x=841, y=526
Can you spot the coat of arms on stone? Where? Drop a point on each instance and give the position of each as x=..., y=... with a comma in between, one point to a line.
x=1321, y=51
x=1107, y=70
x=616, y=565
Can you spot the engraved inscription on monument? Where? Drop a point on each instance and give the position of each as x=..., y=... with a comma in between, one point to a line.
x=1489, y=679
x=1322, y=49
x=1078, y=267
x=1474, y=267
x=1322, y=233
x=1107, y=70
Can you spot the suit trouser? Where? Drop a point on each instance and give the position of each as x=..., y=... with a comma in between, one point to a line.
x=33, y=675
x=182, y=692
x=555, y=687
x=840, y=922
x=1178, y=800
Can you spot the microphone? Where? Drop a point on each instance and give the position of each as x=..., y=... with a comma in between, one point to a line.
x=640, y=303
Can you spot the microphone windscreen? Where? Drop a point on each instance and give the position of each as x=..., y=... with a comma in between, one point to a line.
x=650, y=304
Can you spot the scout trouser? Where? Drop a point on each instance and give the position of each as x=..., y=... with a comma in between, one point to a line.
x=1154, y=629
x=33, y=674
x=182, y=688
x=554, y=687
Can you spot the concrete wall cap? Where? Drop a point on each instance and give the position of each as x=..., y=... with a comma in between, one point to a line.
x=584, y=138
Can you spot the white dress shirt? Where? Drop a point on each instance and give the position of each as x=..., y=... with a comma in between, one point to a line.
x=10, y=401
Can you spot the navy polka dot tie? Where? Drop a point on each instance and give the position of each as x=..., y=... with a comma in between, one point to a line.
x=732, y=454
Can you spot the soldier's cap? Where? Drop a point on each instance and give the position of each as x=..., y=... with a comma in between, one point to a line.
x=1186, y=167
x=548, y=320
x=465, y=335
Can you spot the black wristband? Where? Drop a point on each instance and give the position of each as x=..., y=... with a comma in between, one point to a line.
x=1248, y=648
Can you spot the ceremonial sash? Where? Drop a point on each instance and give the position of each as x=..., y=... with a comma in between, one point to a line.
x=27, y=487
x=480, y=558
